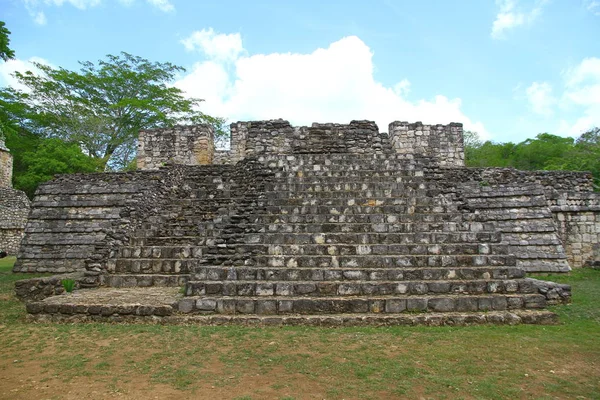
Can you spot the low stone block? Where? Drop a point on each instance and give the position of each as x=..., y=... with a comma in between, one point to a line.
x=244, y=306
x=416, y=304
x=513, y=303
x=499, y=303
x=485, y=304
x=34, y=308
x=444, y=304
x=395, y=305
x=535, y=301
x=466, y=304
x=285, y=306
x=265, y=289
x=305, y=288
x=266, y=307
x=186, y=305
x=93, y=309
x=439, y=287
x=419, y=288
x=224, y=306
x=207, y=305
x=349, y=289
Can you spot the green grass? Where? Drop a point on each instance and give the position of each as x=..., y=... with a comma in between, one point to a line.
x=479, y=362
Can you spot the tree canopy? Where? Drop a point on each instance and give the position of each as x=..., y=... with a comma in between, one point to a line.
x=545, y=152
x=102, y=107
x=37, y=159
x=6, y=53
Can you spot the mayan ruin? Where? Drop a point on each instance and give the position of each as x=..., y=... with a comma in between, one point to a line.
x=14, y=206
x=328, y=225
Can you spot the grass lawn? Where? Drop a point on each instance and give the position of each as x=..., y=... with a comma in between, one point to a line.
x=97, y=361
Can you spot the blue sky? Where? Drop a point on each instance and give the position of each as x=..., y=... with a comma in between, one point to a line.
x=508, y=69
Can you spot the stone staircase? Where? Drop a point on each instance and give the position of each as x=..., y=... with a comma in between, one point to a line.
x=343, y=233
x=323, y=225
x=325, y=239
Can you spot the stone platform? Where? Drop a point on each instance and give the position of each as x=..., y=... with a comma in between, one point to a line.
x=166, y=305
x=324, y=225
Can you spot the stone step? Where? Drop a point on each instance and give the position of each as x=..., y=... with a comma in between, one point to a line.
x=516, y=213
x=379, y=236
x=365, y=199
x=144, y=280
x=352, y=227
x=168, y=241
x=372, y=217
x=349, y=183
x=337, y=249
x=177, y=252
x=166, y=304
x=357, y=189
x=311, y=177
x=140, y=314
x=544, y=265
x=371, y=261
x=219, y=273
x=359, y=304
x=372, y=167
x=151, y=266
x=328, y=288
x=148, y=230
x=358, y=209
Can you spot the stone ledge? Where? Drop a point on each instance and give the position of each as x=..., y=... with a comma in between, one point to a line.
x=429, y=319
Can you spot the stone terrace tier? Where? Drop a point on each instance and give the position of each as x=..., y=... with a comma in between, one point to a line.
x=330, y=224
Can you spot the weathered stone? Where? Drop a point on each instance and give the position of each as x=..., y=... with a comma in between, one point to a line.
x=395, y=305
x=340, y=218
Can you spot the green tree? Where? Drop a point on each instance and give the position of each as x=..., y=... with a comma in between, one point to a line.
x=103, y=106
x=37, y=159
x=583, y=156
x=536, y=154
x=544, y=152
x=6, y=52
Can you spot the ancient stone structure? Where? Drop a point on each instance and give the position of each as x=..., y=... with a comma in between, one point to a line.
x=328, y=224
x=14, y=206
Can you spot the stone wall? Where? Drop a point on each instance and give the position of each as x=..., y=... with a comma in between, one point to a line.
x=14, y=208
x=79, y=222
x=577, y=217
x=6, y=166
x=83, y=221
x=77, y=219
x=185, y=145
x=442, y=142
x=563, y=202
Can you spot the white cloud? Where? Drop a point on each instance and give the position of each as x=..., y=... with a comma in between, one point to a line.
x=8, y=68
x=593, y=6
x=402, y=88
x=582, y=92
x=40, y=18
x=334, y=84
x=80, y=4
x=511, y=16
x=163, y=5
x=223, y=47
x=540, y=98
x=34, y=6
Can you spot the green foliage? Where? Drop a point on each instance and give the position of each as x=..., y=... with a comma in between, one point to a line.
x=545, y=152
x=103, y=106
x=6, y=52
x=68, y=284
x=37, y=159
